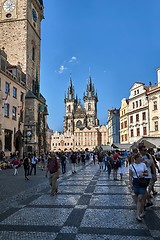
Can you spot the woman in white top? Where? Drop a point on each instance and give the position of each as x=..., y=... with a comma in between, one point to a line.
x=141, y=171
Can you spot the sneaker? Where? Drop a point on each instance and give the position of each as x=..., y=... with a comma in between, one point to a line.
x=139, y=219
x=155, y=193
x=149, y=204
x=142, y=215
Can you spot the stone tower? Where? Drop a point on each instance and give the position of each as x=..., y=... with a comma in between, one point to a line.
x=20, y=30
x=70, y=103
x=90, y=104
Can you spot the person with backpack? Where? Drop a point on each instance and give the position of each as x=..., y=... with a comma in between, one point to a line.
x=53, y=170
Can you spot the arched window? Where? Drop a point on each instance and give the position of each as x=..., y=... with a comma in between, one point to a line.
x=89, y=106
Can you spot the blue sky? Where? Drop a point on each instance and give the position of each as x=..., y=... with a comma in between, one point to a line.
x=118, y=40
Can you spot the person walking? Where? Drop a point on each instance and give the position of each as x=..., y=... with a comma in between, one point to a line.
x=147, y=159
x=16, y=164
x=53, y=170
x=63, y=162
x=138, y=170
x=34, y=161
x=26, y=166
x=121, y=169
x=73, y=159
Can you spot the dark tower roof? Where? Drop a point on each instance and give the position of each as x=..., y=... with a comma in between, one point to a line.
x=70, y=92
x=41, y=2
x=90, y=91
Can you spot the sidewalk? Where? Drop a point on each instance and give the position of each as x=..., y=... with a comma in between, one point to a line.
x=87, y=207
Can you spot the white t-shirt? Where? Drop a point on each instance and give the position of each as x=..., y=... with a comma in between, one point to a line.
x=140, y=168
x=148, y=161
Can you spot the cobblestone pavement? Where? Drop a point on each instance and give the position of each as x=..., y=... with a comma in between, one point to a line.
x=87, y=207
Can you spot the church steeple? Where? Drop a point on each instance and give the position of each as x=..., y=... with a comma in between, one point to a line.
x=70, y=93
x=90, y=90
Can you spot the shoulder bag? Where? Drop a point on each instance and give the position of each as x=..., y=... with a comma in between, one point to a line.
x=142, y=181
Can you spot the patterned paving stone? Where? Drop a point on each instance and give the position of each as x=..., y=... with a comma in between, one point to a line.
x=10, y=235
x=111, y=218
x=112, y=189
x=61, y=200
x=69, y=229
x=74, y=182
x=38, y=216
x=73, y=189
x=109, y=237
x=111, y=183
x=111, y=200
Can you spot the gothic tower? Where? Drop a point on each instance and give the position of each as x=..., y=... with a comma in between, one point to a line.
x=90, y=104
x=70, y=103
x=20, y=30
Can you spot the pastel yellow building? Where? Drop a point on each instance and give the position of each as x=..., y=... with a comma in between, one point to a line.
x=154, y=107
x=124, y=134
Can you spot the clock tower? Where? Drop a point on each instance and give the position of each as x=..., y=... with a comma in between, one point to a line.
x=20, y=30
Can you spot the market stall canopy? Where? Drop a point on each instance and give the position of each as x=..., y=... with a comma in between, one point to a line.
x=149, y=142
x=121, y=146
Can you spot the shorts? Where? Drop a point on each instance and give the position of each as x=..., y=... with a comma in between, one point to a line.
x=137, y=189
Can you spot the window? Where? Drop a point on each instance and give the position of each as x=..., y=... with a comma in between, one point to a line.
x=144, y=131
x=138, y=91
x=137, y=117
x=7, y=87
x=134, y=92
x=6, y=110
x=125, y=124
x=14, y=92
x=137, y=104
x=14, y=113
x=33, y=54
x=122, y=138
x=69, y=108
x=138, y=132
x=133, y=105
x=121, y=125
x=144, y=116
x=89, y=107
x=132, y=133
x=155, y=105
x=156, y=125
x=140, y=102
x=125, y=137
x=131, y=119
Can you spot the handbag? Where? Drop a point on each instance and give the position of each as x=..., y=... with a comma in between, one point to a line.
x=143, y=182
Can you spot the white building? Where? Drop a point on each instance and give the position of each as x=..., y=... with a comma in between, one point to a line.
x=138, y=115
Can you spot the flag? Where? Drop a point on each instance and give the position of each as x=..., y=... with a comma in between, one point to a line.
x=6, y=99
x=22, y=107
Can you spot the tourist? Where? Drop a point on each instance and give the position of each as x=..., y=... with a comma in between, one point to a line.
x=53, y=170
x=138, y=170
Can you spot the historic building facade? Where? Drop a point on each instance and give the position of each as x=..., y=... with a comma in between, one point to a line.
x=138, y=116
x=124, y=134
x=81, y=125
x=113, y=126
x=154, y=107
x=78, y=116
x=12, y=104
x=20, y=30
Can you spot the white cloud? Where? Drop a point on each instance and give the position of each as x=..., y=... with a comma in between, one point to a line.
x=73, y=60
x=62, y=69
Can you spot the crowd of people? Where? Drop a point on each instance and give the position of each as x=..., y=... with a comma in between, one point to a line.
x=143, y=167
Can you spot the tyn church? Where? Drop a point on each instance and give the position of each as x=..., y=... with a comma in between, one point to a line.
x=77, y=115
